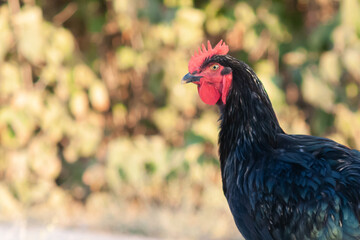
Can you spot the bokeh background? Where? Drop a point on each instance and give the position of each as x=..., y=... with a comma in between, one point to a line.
x=96, y=129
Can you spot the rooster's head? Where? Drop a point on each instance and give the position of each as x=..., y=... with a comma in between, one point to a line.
x=212, y=78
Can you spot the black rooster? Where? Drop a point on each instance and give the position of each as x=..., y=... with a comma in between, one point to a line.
x=278, y=186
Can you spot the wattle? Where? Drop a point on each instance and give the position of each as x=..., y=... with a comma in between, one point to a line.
x=208, y=93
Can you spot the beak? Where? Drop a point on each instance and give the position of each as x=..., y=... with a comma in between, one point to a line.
x=190, y=78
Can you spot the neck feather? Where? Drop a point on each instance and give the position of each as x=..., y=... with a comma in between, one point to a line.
x=248, y=121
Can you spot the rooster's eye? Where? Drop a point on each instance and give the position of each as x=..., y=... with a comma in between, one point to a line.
x=214, y=67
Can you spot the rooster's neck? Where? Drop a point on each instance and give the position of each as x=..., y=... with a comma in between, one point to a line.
x=248, y=122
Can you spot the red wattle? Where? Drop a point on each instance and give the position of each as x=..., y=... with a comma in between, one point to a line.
x=208, y=93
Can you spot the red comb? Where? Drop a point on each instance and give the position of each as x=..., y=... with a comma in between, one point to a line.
x=198, y=58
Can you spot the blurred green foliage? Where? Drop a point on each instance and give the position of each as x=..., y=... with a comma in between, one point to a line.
x=95, y=127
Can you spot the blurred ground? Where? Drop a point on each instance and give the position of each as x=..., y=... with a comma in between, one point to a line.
x=22, y=231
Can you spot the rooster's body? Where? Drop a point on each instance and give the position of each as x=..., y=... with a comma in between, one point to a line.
x=278, y=186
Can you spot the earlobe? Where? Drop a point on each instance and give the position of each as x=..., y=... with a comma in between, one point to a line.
x=227, y=79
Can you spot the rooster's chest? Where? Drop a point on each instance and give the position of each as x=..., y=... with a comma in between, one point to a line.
x=238, y=177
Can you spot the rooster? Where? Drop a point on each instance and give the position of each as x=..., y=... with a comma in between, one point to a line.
x=278, y=186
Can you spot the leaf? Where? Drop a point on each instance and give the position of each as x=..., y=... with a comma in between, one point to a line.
x=351, y=60
x=6, y=36
x=79, y=104
x=207, y=127
x=317, y=92
x=99, y=97
x=10, y=78
x=329, y=67
x=126, y=58
x=29, y=34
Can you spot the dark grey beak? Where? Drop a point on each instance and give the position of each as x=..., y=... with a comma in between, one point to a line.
x=190, y=78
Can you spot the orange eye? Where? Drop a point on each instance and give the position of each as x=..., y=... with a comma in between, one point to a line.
x=214, y=67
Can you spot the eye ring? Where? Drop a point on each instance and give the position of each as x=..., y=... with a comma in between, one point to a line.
x=214, y=67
